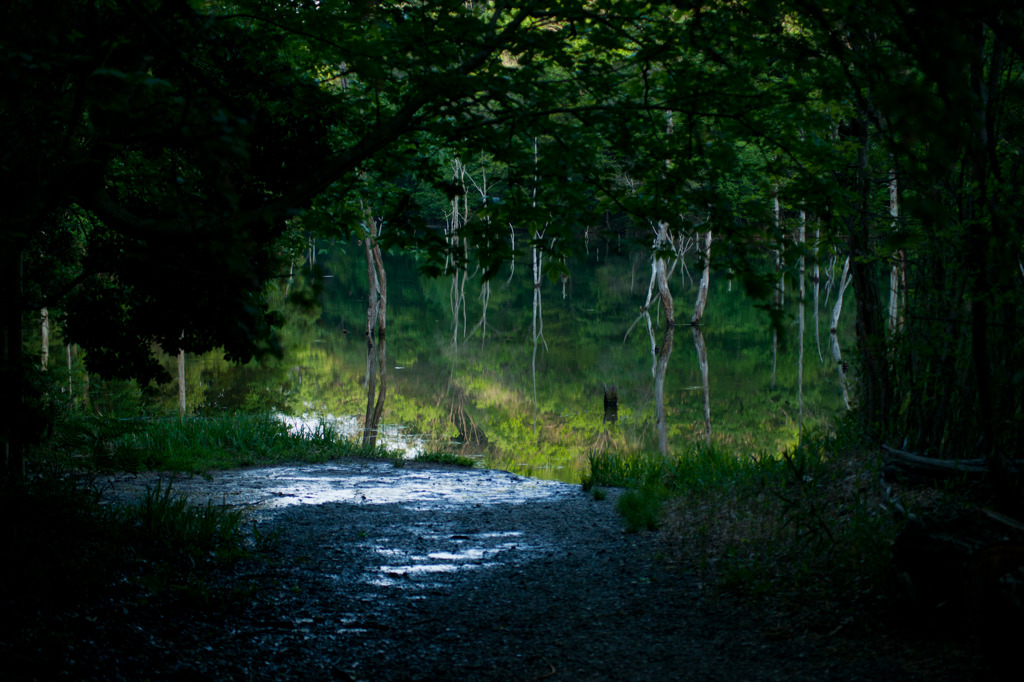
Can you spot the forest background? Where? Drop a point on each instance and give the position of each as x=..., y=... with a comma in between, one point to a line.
x=166, y=161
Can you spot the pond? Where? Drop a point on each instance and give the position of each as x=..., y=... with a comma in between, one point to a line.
x=464, y=374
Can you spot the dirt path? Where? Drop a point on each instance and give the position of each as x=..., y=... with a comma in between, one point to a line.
x=412, y=573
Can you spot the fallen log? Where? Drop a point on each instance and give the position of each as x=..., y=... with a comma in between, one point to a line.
x=900, y=462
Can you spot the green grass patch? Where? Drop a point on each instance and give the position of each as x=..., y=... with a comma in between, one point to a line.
x=811, y=520
x=651, y=479
x=701, y=467
x=641, y=508
x=441, y=457
x=625, y=471
x=65, y=543
x=165, y=523
x=196, y=444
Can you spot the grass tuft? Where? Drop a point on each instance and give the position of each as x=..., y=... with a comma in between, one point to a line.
x=197, y=444
x=450, y=458
x=167, y=524
x=65, y=543
x=641, y=508
x=813, y=519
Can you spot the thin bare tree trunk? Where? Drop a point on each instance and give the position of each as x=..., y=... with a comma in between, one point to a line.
x=659, y=279
x=844, y=281
x=376, y=323
x=662, y=276
x=816, y=279
x=382, y=364
x=372, y=311
x=661, y=369
x=485, y=286
x=454, y=294
x=800, y=348
x=659, y=356
x=537, y=327
x=181, y=384
x=779, y=294
x=44, y=355
x=512, y=261
x=895, y=290
x=705, y=280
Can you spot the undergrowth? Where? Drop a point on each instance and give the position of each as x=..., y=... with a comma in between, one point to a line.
x=810, y=521
x=193, y=444
x=443, y=457
x=64, y=542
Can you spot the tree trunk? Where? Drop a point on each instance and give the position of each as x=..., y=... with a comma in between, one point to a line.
x=776, y=209
x=382, y=362
x=181, y=384
x=844, y=281
x=456, y=292
x=894, y=271
x=44, y=354
x=662, y=274
x=512, y=261
x=989, y=264
x=816, y=280
x=705, y=280
x=375, y=326
x=800, y=348
x=661, y=369
x=537, y=327
x=873, y=385
x=659, y=279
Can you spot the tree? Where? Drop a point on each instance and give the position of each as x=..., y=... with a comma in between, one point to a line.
x=160, y=151
x=841, y=93
x=178, y=140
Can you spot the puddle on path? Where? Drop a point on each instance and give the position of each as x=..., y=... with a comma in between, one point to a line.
x=357, y=482
x=410, y=554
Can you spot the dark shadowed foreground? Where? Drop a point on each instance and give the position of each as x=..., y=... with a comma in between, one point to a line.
x=384, y=573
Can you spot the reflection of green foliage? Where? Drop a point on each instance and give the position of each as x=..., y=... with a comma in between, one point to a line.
x=488, y=381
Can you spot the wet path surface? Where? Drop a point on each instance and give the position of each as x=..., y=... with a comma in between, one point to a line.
x=412, y=573
x=356, y=481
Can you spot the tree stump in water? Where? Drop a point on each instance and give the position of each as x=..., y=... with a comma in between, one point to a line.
x=611, y=403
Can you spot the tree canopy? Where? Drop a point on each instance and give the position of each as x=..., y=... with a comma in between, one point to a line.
x=161, y=154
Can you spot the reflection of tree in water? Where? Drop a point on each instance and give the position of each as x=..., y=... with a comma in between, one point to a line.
x=453, y=402
x=661, y=356
x=702, y=360
x=603, y=442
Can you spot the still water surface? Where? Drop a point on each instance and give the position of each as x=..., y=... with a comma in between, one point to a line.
x=465, y=376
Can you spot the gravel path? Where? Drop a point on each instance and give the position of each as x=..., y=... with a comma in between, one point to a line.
x=415, y=573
